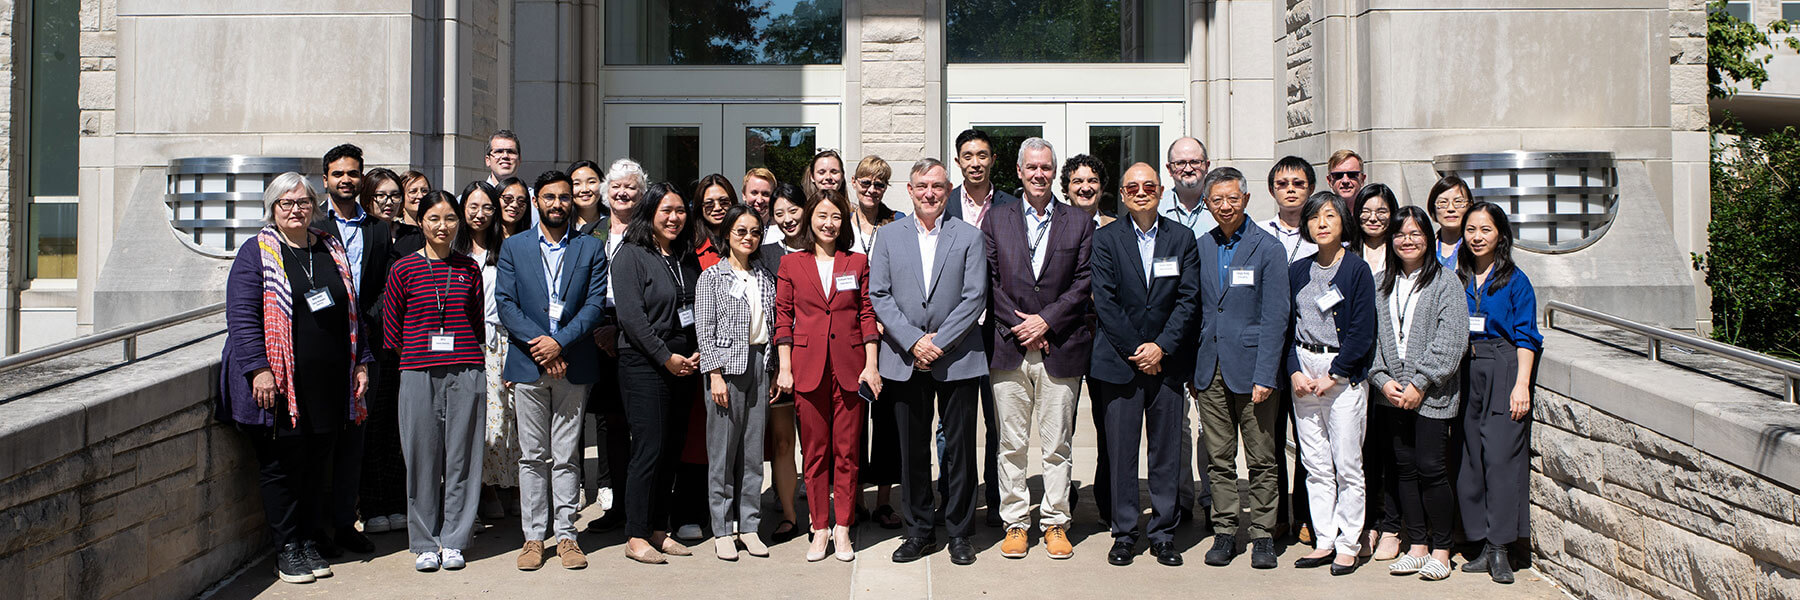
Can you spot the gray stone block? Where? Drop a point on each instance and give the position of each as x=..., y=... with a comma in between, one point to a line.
x=36, y=431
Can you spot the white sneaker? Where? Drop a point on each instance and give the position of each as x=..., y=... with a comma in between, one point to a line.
x=377, y=525
x=688, y=532
x=453, y=559
x=606, y=498
x=427, y=562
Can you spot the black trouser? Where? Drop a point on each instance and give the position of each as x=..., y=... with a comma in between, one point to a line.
x=292, y=472
x=912, y=404
x=346, y=475
x=1102, y=462
x=881, y=449
x=612, y=434
x=1494, y=484
x=990, y=464
x=1380, y=476
x=1421, y=452
x=1148, y=408
x=383, y=488
x=656, y=406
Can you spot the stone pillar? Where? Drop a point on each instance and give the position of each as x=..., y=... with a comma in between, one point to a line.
x=890, y=87
x=555, y=68
x=1233, y=86
x=12, y=184
x=1690, y=203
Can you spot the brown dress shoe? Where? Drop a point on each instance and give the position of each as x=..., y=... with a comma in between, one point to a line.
x=1056, y=542
x=532, y=556
x=572, y=557
x=1015, y=545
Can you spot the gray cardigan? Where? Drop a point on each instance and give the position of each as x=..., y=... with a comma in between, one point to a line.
x=1434, y=347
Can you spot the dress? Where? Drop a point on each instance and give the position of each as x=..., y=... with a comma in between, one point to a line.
x=500, y=459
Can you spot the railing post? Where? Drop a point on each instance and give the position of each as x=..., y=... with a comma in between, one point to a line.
x=1655, y=349
x=130, y=348
x=1793, y=390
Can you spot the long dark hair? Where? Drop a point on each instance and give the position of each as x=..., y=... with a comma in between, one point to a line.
x=739, y=211
x=844, y=239
x=1421, y=220
x=1386, y=194
x=490, y=235
x=524, y=223
x=1503, y=263
x=431, y=200
x=696, y=207
x=641, y=231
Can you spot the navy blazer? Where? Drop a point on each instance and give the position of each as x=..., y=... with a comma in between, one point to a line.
x=524, y=304
x=953, y=204
x=1059, y=294
x=1244, y=328
x=1132, y=312
x=1354, y=315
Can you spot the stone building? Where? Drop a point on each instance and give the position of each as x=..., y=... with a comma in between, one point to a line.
x=105, y=93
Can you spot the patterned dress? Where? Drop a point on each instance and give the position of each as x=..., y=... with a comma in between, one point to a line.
x=500, y=461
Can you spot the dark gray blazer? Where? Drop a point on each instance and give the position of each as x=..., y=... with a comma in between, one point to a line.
x=722, y=321
x=1439, y=334
x=959, y=293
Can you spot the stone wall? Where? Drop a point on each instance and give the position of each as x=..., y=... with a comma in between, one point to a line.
x=123, y=486
x=892, y=84
x=12, y=185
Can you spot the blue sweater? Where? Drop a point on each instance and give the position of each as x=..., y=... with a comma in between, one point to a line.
x=1354, y=315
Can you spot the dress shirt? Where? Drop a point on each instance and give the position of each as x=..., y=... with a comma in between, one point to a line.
x=1227, y=250
x=1199, y=219
x=1146, y=242
x=552, y=256
x=928, y=241
x=612, y=249
x=972, y=211
x=1401, y=302
x=1297, y=247
x=1449, y=260
x=1511, y=311
x=1037, y=230
x=350, y=230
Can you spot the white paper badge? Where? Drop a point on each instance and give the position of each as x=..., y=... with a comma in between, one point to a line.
x=319, y=299
x=686, y=314
x=443, y=342
x=1477, y=323
x=846, y=283
x=1165, y=267
x=1330, y=299
x=555, y=311
x=1243, y=277
x=737, y=288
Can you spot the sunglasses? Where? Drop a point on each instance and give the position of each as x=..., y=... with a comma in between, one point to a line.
x=1337, y=175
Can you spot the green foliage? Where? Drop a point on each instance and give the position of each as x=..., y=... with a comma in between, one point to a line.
x=1732, y=47
x=1753, y=265
x=810, y=35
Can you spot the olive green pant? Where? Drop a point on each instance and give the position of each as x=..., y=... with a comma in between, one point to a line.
x=1225, y=418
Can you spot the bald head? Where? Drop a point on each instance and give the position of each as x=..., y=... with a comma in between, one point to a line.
x=1140, y=193
x=1187, y=167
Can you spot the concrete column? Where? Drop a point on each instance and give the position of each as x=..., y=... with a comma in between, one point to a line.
x=894, y=84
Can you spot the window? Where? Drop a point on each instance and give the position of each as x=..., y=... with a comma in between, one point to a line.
x=1118, y=147
x=54, y=132
x=724, y=32
x=1066, y=31
x=1790, y=11
x=1007, y=139
x=784, y=151
x=670, y=154
x=1741, y=10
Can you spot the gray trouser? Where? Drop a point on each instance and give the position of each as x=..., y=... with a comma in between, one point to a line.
x=549, y=413
x=734, y=448
x=443, y=414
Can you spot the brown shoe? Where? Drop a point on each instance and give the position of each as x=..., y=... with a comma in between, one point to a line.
x=572, y=557
x=1015, y=545
x=1056, y=542
x=649, y=557
x=532, y=556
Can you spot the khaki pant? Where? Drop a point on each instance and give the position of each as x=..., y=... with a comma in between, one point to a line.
x=1226, y=416
x=1020, y=397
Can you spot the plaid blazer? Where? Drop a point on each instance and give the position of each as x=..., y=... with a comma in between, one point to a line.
x=723, y=321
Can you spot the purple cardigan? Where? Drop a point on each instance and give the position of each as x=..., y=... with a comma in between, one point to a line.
x=1061, y=295
x=244, y=350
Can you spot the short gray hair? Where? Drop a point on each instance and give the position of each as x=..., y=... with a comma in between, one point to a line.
x=924, y=165
x=280, y=186
x=627, y=168
x=1036, y=143
x=1222, y=175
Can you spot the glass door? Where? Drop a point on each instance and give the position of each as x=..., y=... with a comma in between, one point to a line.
x=1116, y=133
x=679, y=143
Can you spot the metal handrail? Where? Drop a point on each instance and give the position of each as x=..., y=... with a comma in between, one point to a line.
x=1787, y=369
x=129, y=334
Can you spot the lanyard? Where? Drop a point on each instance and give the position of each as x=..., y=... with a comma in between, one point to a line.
x=306, y=265
x=1043, y=229
x=1406, y=305
x=1487, y=279
x=443, y=291
x=680, y=286
x=556, y=273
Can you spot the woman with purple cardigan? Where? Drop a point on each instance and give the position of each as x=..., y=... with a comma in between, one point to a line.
x=295, y=366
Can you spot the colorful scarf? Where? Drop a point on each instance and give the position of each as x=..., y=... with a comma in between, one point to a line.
x=278, y=318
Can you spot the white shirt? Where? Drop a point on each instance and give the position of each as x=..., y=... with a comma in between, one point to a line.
x=1297, y=247
x=825, y=273
x=1401, y=302
x=928, y=241
x=1377, y=261
x=974, y=212
x=1037, y=232
x=759, y=331
x=490, y=312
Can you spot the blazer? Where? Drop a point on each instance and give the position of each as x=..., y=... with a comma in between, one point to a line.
x=1244, y=328
x=1130, y=312
x=959, y=294
x=953, y=204
x=378, y=254
x=648, y=300
x=1060, y=294
x=824, y=330
x=1354, y=315
x=722, y=321
x=523, y=303
x=1437, y=337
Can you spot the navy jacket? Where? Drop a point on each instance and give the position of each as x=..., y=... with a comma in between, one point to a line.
x=523, y=303
x=1243, y=329
x=1355, y=316
x=1166, y=311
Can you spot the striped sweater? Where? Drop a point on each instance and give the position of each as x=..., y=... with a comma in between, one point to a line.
x=411, y=313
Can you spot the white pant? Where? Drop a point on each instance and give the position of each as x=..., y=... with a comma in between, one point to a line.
x=1330, y=428
x=1021, y=396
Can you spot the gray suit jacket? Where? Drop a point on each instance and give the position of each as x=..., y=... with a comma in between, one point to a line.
x=1438, y=337
x=722, y=321
x=959, y=294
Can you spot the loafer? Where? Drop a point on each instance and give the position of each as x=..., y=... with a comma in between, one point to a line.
x=612, y=519
x=914, y=548
x=1314, y=563
x=1262, y=553
x=1121, y=553
x=1224, y=547
x=961, y=551
x=1166, y=554
x=1338, y=570
x=1408, y=564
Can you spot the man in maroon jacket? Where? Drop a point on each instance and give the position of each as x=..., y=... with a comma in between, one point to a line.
x=1037, y=252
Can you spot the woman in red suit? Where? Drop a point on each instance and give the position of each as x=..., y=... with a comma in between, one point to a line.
x=825, y=336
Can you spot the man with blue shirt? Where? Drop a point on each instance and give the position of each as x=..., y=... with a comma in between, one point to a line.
x=550, y=298
x=1184, y=202
x=1244, y=307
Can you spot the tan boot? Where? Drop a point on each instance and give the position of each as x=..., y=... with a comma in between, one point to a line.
x=571, y=554
x=531, y=557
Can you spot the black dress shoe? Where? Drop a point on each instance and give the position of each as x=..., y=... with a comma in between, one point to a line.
x=1499, y=564
x=961, y=551
x=1121, y=553
x=354, y=540
x=1479, y=564
x=1338, y=570
x=613, y=519
x=1262, y=553
x=1166, y=554
x=1224, y=546
x=1314, y=563
x=915, y=548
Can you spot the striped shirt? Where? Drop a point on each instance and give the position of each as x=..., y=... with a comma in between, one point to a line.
x=427, y=296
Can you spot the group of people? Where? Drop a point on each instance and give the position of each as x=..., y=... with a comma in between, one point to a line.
x=410, y=358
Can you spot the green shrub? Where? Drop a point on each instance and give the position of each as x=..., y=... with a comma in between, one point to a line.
x=1753, y=264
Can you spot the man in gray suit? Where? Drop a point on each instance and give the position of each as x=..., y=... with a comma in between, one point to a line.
x=928, y=283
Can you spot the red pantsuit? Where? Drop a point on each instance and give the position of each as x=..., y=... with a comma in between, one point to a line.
x=827, y=324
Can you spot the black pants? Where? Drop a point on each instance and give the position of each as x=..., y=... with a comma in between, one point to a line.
x=383, y=489
x=656, y=406
x=912, y=404
x=292, y=472
x=1148, y=408
x=613, y=435
x=1493, y=486
x=1102, y=462
x=990, y=464
x=346, y=475
x=1421, y=469
x=1380, y=476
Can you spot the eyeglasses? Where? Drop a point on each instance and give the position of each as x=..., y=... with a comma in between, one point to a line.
x=1416, y=236
x=744, y=232
x=484, y=208
x=1284, y=184
x=503, y=152
x=1337, y=175
x=511, y=198
x=1187, y=164
x=1134, y=188
x=721, y=202
x=1451, y=203
x=293, y=205
x=871, y=184
x=1234, y=199
x=1376, y=215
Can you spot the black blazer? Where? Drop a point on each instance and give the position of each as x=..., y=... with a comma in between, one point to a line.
x=1166, y=311
x=378, y=254
x=1354, y=315
x=953, y=204
x=648, y=302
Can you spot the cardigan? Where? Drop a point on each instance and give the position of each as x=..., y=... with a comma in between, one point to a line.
x=1437, y=337
x=1354, y=315
x=649, y=302
x=722, y=320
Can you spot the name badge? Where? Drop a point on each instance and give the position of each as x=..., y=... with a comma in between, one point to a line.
x=1164, y=267
x=686, y=314
x=1477, y=323
x=1243, y=277
x=443, y=342
x=846, y=283
x=555, y=311
x=319, y=299
x=737, y=288
x=1330, y=299
x=722, y=343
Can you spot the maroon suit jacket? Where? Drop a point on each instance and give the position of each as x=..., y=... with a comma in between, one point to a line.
x=824, y=331
x=1060, y=295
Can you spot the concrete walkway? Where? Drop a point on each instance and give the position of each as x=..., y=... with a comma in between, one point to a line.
x=786, y=574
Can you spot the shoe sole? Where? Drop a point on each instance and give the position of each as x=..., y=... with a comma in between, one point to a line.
x=455, y=568
x=963, y=563
x=321, y=573
x=531, y=568
x=1118, y=563
x=1015, y=555
x=301, y=578
x=577, y=567
x=1061, y=556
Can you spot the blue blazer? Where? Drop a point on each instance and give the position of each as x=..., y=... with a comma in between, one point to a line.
x=524, y=304
x=1354, y=315
x=1243, y=329
x=1165, y=311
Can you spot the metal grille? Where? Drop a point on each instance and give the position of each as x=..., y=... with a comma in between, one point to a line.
x=216, y=202
x=1557, y=201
